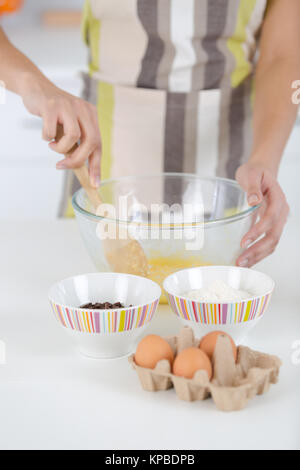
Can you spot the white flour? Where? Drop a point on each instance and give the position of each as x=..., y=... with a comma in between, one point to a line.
x=218, y=291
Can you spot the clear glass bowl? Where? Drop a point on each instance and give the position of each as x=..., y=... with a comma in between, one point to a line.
x=180, y=220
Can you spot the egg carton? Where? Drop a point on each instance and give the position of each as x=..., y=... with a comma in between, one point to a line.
x=233, y=383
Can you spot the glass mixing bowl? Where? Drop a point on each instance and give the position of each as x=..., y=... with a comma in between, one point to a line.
x=180, y=220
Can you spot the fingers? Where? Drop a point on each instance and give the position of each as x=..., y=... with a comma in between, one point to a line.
x=271, y=227
x=250, y=179
x=72, y=133
x=90, y=145
x=90, y=142
x=276, y=210
x=78, y=158
x=80, y=124
x=49, y=125
x=262, y=238
x=264, y=247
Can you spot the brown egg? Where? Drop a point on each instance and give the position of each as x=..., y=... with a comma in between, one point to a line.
x=151, y=350
x=189, y=361
x=208, y=343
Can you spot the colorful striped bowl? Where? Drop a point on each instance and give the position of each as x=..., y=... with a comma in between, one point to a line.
x=105, y=333
x=235, y=318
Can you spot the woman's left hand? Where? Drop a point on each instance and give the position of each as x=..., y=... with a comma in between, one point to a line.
x=262, y=186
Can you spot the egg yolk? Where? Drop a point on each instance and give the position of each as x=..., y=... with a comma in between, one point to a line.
x=161, y=267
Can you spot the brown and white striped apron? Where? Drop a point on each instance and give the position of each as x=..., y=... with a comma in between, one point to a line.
x=173, y=84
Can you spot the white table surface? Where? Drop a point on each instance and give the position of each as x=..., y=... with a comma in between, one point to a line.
x=52, y=398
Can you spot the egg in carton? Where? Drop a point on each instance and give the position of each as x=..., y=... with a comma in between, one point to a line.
x=233, y=383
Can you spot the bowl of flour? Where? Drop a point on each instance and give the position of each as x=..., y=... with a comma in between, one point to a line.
x=229, y=298
x=218, y=291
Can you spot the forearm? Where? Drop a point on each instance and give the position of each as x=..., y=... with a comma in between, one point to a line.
x=274, y=112
x=55, y=107
x=16, y=70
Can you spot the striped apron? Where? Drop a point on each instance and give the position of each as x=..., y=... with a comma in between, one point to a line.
x=173, y=84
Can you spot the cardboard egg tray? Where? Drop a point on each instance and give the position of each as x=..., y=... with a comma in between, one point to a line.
x=233, y=383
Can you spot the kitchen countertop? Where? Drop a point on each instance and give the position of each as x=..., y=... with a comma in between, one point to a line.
x=52, y=398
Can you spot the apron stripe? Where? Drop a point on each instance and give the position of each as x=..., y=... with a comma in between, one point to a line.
x=208, y=132
x=90, y=89
x=223, y=142
x=91, y=27
x=164, y=31
x=148, y=14
x=105, y=108
x=243, y=66
x=236, y=129
x=174, y=144
x=231, y=20
x=225, y=86
x=248, y=121
x=254, y=25
x=174, y=132
x=235, y=139
x=182, y=32
x=200, y=31
x=190, y=133
x=216, y=22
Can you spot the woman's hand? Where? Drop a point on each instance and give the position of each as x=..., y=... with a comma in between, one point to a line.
x=78, y=118
x=262, y=187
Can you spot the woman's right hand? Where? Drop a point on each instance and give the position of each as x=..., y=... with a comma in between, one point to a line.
x=77, y=117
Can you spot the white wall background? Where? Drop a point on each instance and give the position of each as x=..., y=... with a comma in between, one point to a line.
x=32, y=10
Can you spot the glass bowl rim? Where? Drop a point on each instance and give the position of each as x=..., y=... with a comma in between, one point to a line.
x=207, y=224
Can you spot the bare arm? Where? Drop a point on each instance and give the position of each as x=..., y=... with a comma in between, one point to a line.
x=278, y=67
x=55, y=106
x=274, y=117
x=15, y=67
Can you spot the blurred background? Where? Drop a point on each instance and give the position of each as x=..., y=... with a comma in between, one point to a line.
x=48, y=32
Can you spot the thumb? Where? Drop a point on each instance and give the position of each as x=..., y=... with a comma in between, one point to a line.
x=250, y=180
